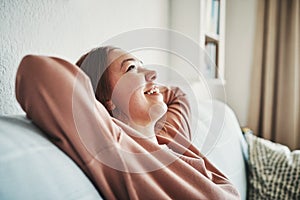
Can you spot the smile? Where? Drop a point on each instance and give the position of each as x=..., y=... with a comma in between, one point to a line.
x=154, y=90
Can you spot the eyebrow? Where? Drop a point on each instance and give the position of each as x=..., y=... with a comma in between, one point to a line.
x=129, y=59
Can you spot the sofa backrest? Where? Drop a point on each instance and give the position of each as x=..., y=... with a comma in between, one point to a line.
x=228, y=149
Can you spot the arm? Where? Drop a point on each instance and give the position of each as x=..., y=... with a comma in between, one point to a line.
x=58, y=97
x=177, y=116
x=54, y=94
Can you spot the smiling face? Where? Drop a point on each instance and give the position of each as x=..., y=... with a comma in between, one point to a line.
x=134, y=92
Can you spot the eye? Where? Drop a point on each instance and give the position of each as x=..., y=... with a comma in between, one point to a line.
x=130, y=67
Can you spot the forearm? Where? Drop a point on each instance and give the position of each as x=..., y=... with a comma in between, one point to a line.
x=178, y=113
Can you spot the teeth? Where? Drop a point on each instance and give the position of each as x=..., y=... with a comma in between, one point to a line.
x=154, y=90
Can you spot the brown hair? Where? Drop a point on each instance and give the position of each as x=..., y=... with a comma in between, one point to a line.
x=103, y=90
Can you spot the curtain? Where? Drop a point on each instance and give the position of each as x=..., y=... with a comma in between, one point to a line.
x=275, y=87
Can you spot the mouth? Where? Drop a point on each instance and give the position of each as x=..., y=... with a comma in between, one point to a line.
x=153, y=90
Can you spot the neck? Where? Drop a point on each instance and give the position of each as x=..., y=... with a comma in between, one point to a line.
x=146, y=131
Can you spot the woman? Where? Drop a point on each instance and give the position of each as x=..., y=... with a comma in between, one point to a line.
x=142, y=149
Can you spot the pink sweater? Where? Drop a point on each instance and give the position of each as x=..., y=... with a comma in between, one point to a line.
x=59, y=98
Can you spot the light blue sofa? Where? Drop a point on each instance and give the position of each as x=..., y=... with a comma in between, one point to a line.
x=31, y=167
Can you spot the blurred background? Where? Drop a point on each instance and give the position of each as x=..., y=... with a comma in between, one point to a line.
x=254, y=43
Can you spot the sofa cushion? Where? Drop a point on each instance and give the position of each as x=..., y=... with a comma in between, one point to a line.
x=274, y=171
x=31, y=167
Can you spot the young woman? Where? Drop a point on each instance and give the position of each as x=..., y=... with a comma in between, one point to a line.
x=139, y=146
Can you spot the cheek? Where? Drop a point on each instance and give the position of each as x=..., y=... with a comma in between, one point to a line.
x=144, y=111
x=126, y=89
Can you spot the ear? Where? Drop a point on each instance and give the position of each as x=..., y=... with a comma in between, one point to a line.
x=110, y=105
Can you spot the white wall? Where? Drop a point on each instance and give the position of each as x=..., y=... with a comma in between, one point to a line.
x=240, y=35
x=185, y=17
x=66, y=29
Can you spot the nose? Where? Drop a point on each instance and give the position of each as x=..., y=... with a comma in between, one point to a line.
x=150, y=75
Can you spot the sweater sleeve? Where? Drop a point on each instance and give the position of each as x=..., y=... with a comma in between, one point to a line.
x=58, y=98
x=177, y=118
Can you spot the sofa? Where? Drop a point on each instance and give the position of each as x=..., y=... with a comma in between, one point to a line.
x=31, y=167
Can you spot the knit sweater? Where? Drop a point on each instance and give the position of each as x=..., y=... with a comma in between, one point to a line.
x=122, y=164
